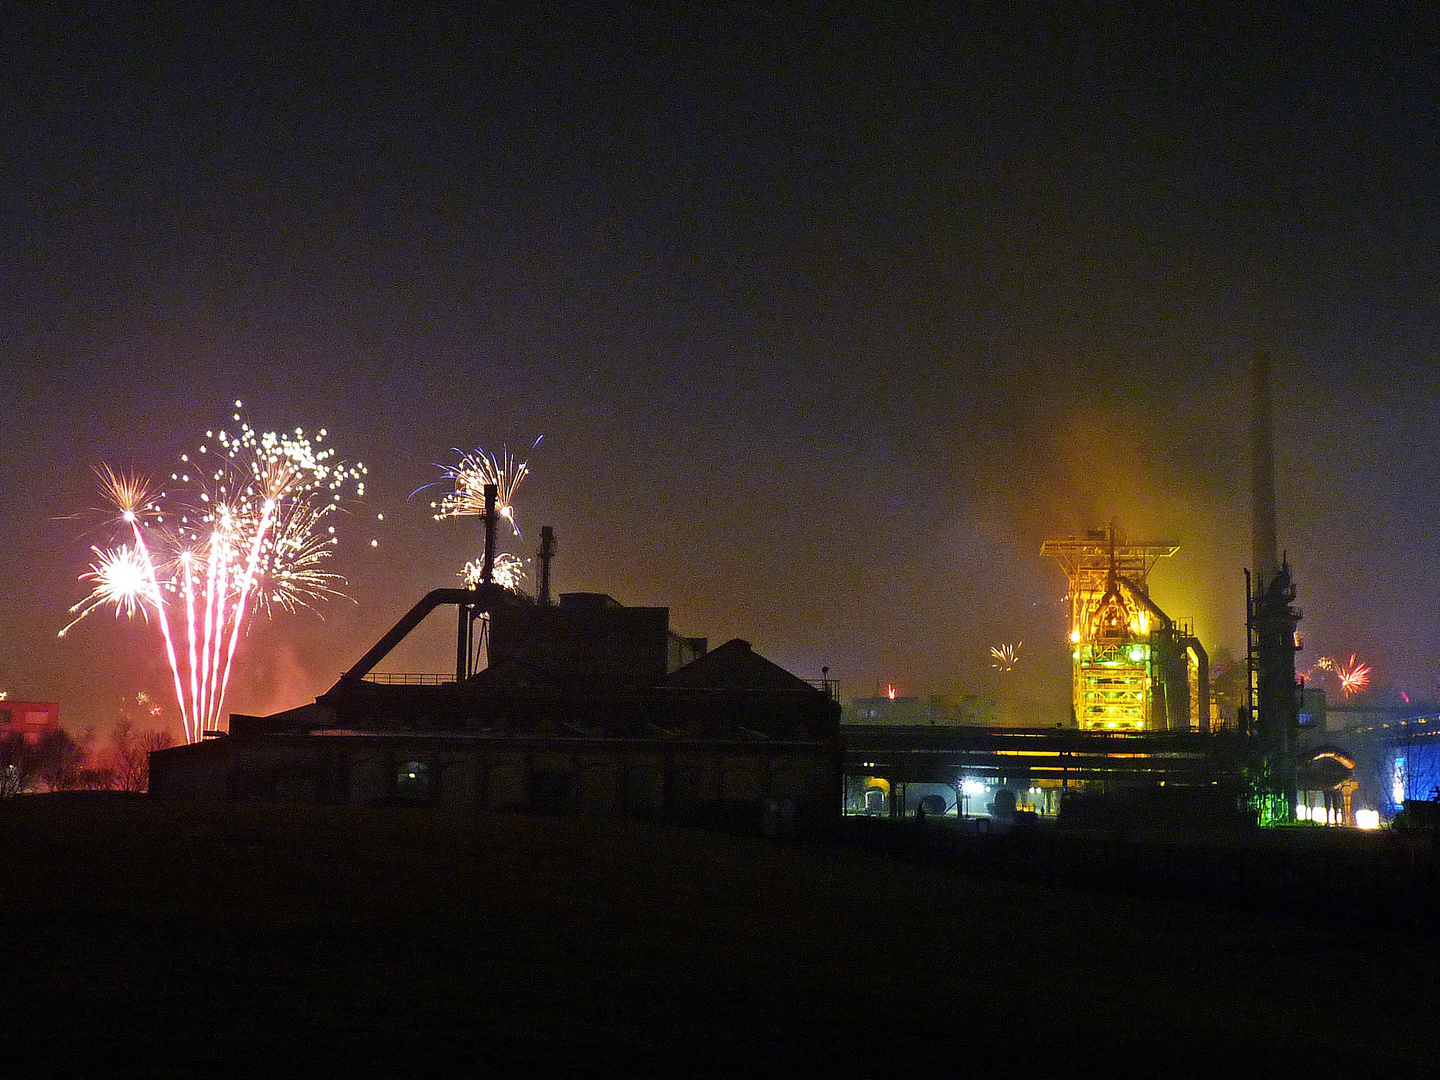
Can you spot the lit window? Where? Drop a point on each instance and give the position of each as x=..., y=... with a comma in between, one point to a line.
x=412, y=779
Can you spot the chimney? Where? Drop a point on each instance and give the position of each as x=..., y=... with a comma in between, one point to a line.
x=545, y=554
x=487, y=568
x=1262, y=474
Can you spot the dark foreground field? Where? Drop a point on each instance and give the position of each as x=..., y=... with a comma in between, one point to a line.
x=145, y=938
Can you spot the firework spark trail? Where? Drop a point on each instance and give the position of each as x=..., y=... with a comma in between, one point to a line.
x=246, y=583
x=295, y=559
x=213, y=597
x=132, y=496
x=466, y=498
x=164, y=619
x=468, y=478
x=187, y=558
x=257, y=518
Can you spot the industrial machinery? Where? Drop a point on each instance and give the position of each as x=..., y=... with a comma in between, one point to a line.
x=1135, y=669
x=1272, y=619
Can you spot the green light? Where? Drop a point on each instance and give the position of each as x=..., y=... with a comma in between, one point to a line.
x=1137, y=653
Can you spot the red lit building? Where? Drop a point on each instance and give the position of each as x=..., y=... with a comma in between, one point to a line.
x=32, y=719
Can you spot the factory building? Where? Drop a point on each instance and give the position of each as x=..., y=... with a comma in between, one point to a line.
x=585, y=706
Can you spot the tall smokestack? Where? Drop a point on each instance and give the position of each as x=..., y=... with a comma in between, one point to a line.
x=1262, y=474
x=545, y=555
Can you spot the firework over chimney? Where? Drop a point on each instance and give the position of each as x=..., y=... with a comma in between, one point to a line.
x=1262, y=473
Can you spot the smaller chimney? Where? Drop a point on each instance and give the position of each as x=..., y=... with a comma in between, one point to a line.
x=487, y=568
x=545, y=555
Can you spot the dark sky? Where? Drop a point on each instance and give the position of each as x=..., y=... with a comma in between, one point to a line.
x=827, y=320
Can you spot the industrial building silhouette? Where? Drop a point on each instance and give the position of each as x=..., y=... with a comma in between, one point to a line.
x=585, y=706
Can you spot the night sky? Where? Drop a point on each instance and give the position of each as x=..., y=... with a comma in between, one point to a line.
x=827, y=321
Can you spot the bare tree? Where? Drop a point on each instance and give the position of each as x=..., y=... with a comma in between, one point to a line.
x=61, y=761
x=1413, y=764
x=16, y=765
x=43, y=763
x=130, y=754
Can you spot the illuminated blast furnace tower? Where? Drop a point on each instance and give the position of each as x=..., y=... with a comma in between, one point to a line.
x=1134, y=668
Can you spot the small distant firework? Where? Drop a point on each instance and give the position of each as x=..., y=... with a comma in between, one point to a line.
x=1353, y=677
x=1005, y=657
x=469, y=476
x=248, y=536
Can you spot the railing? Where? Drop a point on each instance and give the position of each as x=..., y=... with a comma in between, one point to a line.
x=830, y=686
x=409, y=678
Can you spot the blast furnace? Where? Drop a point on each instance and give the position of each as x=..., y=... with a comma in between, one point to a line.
x=1134, y=668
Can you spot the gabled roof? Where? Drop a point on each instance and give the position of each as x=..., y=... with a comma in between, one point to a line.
x=511, y=674
x=734, y=666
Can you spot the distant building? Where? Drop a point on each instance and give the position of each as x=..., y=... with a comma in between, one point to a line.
x=1393, y=753
x=30, y=719
x=1359, y=756
x=587, y=707
x=889, y=710
x=918, y=711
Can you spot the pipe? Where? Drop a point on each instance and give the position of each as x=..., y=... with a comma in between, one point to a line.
x=485, y=598
x=462, y=644
x=1202, y=682
x=1146, y=602
x=401, y=630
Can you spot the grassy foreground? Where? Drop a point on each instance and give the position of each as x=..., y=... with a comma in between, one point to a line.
x=171, y=938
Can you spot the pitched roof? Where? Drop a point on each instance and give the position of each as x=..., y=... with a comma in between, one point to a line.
x=510, y=674
x=735, y=666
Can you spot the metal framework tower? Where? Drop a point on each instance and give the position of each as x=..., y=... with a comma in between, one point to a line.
x=1133, y=667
